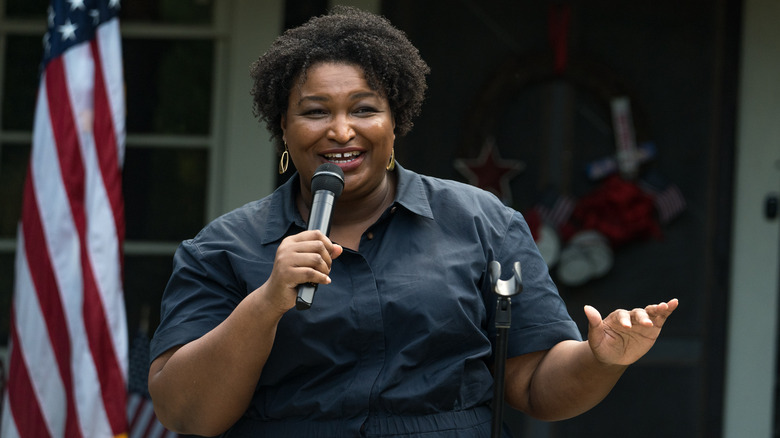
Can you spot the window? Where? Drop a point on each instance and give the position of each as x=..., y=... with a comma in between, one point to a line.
x=171, y=50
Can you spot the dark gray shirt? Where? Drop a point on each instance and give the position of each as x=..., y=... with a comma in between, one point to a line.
x=401, y=340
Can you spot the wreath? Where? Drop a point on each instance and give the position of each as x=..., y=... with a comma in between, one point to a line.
x=593, y=188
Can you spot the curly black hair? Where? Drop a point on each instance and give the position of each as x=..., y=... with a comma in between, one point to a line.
x=392, y=65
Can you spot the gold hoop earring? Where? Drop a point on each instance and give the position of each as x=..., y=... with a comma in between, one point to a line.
x=284, y=161
x=391, y=165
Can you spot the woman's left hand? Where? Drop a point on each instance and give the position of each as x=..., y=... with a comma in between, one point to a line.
x=626, y=335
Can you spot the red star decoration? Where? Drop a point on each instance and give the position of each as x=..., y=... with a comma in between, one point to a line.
x=491, y=172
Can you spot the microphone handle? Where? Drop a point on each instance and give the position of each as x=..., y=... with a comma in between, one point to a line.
x=305, y=295
x=321, y=211
x=319, y=219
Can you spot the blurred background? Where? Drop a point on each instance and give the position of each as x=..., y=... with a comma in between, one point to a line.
x=522, y=99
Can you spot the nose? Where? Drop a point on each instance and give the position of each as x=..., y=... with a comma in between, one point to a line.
x=341, y=129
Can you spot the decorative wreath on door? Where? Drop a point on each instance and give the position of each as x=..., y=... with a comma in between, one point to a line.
x=565, y=143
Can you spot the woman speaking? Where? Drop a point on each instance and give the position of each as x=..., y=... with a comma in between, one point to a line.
x=400, y=336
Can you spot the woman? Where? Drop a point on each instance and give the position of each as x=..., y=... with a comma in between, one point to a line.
x=398, y=340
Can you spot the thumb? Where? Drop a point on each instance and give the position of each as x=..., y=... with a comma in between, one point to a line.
x=337, y=250
x=593, y=315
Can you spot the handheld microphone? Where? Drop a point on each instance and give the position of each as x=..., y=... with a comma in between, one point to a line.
x=326, y=185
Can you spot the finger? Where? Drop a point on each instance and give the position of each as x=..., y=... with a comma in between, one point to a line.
x=593, y=315
x=306, y=235
x=662, y=308
x=324, y=253
x=306, y=268
x=666, y=307
x=623, y=317
x=302, y=262
x=660, y=312
x=293, y=275
x=641, y=317
x=313, y=253
x=329, y=250
x=310, y=236
x=318, y=235
x=337, y=250
x=317, y=261
x=310, y=275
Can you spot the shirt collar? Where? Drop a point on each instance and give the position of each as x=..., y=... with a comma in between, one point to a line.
x=282, y=212
x=411, y=193
x=284, y=215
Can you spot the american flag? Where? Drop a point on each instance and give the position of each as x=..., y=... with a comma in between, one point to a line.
x=556, y=210
x=68, y=336
x=140, y=411
x=667, y=197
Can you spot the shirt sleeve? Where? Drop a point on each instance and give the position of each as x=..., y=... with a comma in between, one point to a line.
x=540, y=318
x=199, y=296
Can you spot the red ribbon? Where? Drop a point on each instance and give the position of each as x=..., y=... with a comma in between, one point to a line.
x=619, y=210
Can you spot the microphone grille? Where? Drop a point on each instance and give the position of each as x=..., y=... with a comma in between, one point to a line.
x=328, y=176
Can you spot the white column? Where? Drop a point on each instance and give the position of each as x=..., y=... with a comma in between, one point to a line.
x=244, y=159
x=752, y=326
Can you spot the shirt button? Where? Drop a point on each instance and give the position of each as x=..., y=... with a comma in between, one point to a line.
x=370, y=235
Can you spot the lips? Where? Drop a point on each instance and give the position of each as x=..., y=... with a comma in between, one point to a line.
x=342, y=157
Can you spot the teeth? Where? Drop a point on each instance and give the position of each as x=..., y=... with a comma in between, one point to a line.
x=339, y=156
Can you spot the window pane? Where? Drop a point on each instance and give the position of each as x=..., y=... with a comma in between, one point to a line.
x=26, y=8
x=145, y=280
x=168, y=11
x=168, y=86
x=165, y=193
x=23, y=59
x=13, y=169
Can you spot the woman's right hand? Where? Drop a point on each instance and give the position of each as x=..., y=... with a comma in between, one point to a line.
x=191, y=391
x=305, y=257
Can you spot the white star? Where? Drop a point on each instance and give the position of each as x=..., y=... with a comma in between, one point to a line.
x=113, y=4
x=76, y=4
x=95, y=14
x=68, y=30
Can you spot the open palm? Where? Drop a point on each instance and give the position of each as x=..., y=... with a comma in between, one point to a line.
x=624, y=336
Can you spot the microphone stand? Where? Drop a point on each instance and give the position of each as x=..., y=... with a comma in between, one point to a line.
x=505, y=290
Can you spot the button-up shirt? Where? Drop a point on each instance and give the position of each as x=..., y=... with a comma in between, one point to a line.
x=401, y=341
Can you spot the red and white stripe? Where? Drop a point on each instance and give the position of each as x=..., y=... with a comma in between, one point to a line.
x=669, y=201
x=143, y=421
x=559, y=212
x=68, y=348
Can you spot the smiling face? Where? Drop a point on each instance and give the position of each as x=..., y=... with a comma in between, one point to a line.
x=334, y=116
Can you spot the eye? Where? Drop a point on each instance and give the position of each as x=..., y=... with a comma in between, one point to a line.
x=366, y=111
x=314, y=113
